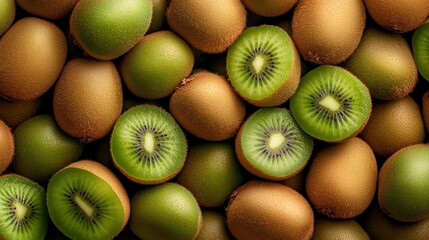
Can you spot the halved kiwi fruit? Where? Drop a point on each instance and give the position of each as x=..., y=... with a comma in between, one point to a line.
x=87, y=201
x=147, y=145
x=271, y=145
x=263, y=65
x=331, y=104
x=420, y=45
x=23, y=212
x=7, y=146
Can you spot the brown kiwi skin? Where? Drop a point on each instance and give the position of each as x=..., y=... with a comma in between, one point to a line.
x=327, y=32
x=269, y=210
x=394, y=125
x=210, y=26
x=33, y=52
x=342, y=179
x=270, y=8
x=16, y=112
x=51, y=9
x=398, y=16
x=7, y=146
x=425, y=109
x=88, y=98
x=326, y=229
x=207, y=106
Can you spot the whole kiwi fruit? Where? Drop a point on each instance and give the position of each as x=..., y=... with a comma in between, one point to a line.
x=7, y=146
x=16, y=112
x=342, y=179
x=327, y=32
x=207, y=106
x=269, y=8
x=327, y=229
x=399, y=15
x=88, y=98
x=425, y=109
x=214, y=227
x=159, y=7
x=51, y=9
x=403, y=184
x=420, y=48
x=393, y=125
x=33, y=52
x=210, y=26
x=268, y=210
x=7, y=11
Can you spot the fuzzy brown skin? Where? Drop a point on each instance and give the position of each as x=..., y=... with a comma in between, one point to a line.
x=342, y=179
x=425, y=109
x=327, y=32
x=399, y=15
x=270, y=8
x=325, y=229
x=51, y=9
x=7, y=146
x=268, y=210
x=88, y=98
x=210, y=26
x=16, y=112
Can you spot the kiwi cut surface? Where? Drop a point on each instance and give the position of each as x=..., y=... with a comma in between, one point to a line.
x=271, y=145
x=263, y=65
x=7, y=146
x=331, y=104
x=147, y=145
x=420, y=46
x=86, y=201
x=23, y=212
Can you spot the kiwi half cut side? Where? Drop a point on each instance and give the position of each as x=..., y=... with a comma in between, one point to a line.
x=23, y=212
x=263, y=66
x=271, y=145
x=147, y=145
x=331, y=104
x=420, y=45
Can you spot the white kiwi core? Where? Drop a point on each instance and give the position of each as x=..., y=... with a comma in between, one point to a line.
x=276, y=140
x=149, y=142
x=330, y=103
x=258, y=63
x=84, y=205
x=20, y=210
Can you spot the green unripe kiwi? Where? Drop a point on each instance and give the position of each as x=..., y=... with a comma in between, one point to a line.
x=7, y=14
x=157, y=65
x=327, y=229
x=403, y=184
x=51, y=9
x=108, y=29
x=214, y=227
x=158, y=15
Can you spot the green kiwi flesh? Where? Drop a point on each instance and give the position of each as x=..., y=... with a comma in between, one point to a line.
x=42, y=148
x=211, y=172
x=147, y=145
x=86, y=201
x=420, y=46
x=331, y=104
x=166, y=211
x=269, y=8
x=7, y=146
x=271, y=145
x=156, y=65
x=107, y=29
x=214, y=227
x=7, y=11
x=326, y=229
x=50, y=9
x=23, y=212
x=263, y=65
x=403, y=183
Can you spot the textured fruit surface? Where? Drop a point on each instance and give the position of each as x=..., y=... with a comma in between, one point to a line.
x=16, y=112
x=7, y=11
x=214, y=227
x=51, y=9
x=326, y=229
x=420, y=45
x=425, y=109
x=269, y=8
x=7, y=146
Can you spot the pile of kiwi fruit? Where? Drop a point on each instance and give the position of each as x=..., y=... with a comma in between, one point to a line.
x=215, y=119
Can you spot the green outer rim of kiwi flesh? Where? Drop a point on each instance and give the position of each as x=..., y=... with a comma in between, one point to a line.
x=270, y=38
x=323, y=128
x=253, y=142
x=62, y=209
x=123, y=144
x=420, y=45
x=34, y=194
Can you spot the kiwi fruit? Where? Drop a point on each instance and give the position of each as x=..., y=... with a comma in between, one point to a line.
x=211, y=172
x=420, y=49
x=403, y=184
x=398, y=16
x=7, y=146
x=51, y=9
x=207, y=106
x=331, y=104
x=384, y=62
x=263, y=66
x=328, y=229
x=393, y=125
x=328, y=32
x=107, y=29
x=16, y=112
x=87, y=201
x=342, y=179
x=269, y=210
x=33, y=52
x=297, y=181
x=147, y=145
x=425, y=109
x=157, y=65
x=88, y=98
x=271, y=145
x=42, y=148
x=166, y=211
x=210, y=26
x=159, y=7
x=214, y=227
x=269, y=8
x=22, y=208
x=7, y=13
